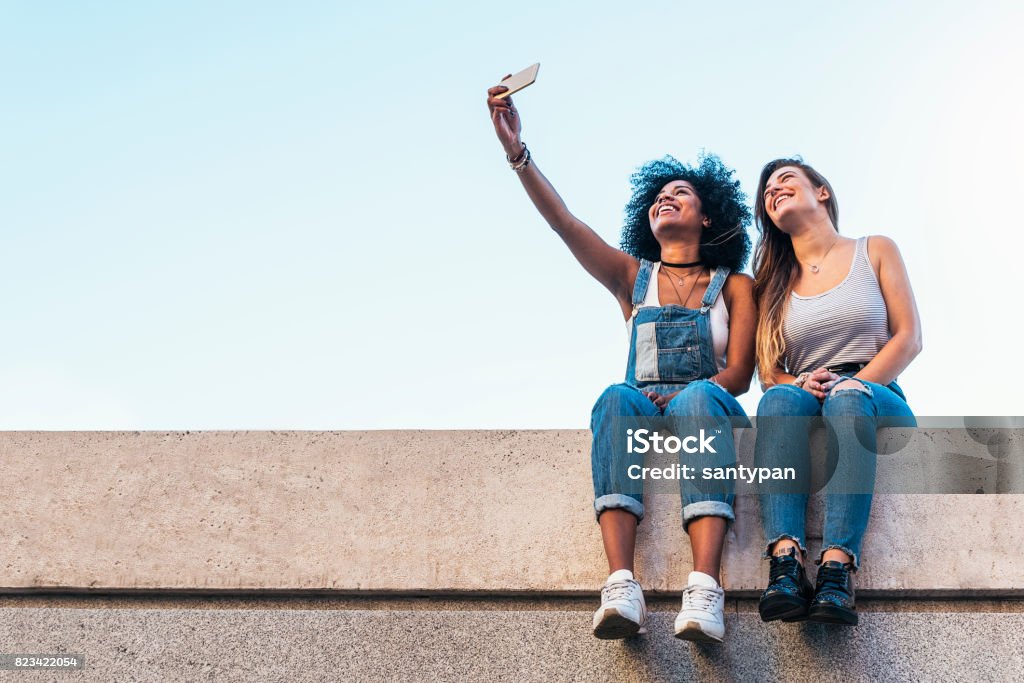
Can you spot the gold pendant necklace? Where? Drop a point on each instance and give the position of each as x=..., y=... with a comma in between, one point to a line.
x=682, y=301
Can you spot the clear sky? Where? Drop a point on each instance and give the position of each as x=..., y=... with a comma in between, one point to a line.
x=243, y=215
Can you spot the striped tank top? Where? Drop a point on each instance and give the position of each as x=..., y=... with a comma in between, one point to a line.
x=846, y=324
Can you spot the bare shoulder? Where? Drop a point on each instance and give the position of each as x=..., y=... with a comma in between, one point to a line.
x=739, y=282
x=738, y=285
x=882, y=247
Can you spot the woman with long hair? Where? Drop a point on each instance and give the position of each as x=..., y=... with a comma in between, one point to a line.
x=837, y=323
x=690, y=317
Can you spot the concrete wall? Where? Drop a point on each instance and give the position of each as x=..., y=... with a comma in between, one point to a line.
x=485, y=512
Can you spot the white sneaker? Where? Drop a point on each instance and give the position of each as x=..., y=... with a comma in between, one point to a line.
x=702, y=617
x=623, y=611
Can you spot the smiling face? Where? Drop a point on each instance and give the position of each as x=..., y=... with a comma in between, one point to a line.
x=790, y=195
x=676, y=207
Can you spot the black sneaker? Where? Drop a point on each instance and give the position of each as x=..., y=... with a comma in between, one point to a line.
x=833, y=598
x=789, y=592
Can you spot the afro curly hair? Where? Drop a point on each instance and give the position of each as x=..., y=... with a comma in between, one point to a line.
x=723, y=243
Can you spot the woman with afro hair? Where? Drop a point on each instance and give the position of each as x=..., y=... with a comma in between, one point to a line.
x=690, y=317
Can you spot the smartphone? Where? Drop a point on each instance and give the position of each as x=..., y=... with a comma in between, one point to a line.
x=517, y=82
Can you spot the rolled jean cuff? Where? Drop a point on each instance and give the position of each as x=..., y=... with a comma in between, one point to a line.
x=707, y=508
x=796, y=539
x=855, y=561
x=619, y=501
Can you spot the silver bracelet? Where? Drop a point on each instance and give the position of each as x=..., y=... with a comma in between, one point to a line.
x=801, y=379
x=520, y=163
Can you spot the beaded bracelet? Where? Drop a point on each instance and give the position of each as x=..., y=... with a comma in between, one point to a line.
x=520, y=163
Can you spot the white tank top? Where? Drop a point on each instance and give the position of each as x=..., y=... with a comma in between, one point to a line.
x=719, y=317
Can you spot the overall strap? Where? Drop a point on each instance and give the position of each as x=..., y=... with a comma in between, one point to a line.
x=643, y=279
x=714, y=287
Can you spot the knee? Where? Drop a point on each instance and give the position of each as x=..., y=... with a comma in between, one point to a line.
x=850, y=385
x=698, y=398
x=785, y=399
x=849, y=397
x=619, y=399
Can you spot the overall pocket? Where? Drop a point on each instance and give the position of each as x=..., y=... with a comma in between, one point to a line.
x=667, y=352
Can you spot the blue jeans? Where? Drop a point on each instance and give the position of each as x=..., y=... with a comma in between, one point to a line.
x=851, y=416
x=699, y=405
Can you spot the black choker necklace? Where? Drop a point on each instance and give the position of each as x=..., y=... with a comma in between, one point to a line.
x=681, y=265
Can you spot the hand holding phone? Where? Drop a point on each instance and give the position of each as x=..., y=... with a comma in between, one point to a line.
x=517, y=82
x=506, y=121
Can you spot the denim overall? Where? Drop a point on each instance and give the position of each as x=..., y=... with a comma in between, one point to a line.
x=670, y=349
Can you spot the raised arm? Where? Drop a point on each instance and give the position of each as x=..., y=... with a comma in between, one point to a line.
x=613, y=268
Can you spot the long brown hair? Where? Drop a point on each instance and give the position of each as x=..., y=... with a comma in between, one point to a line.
x=776, y=267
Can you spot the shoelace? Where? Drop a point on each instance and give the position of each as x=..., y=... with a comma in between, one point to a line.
x=784, y=567
x=699, y=598
x=832, y=578
x=617, y=590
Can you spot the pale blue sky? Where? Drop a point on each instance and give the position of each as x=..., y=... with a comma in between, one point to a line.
x=245, y=215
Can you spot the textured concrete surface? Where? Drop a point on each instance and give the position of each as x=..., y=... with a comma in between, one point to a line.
x=656, y=602
x=527, y=645
x=420, y=511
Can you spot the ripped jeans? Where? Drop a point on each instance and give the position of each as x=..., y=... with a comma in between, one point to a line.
x=785, y=417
